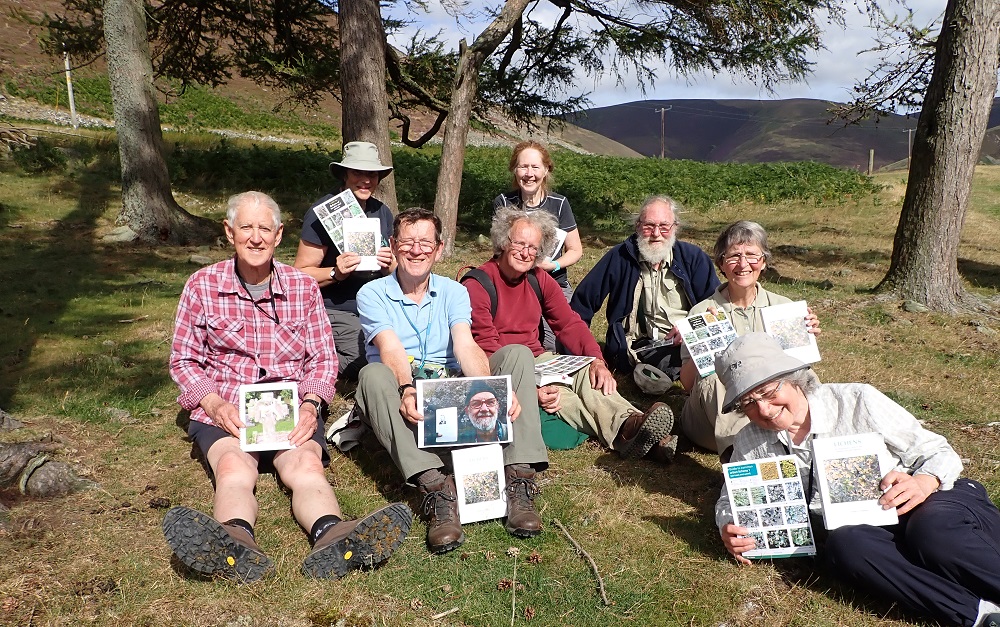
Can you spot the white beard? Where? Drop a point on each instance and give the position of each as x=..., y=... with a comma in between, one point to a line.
x=485, y=423
x=655, y=254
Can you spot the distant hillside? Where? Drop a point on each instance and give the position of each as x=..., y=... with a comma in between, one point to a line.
x=757, y=131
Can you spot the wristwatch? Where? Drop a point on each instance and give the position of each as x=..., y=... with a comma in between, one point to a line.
x=402, y=388
x=312, y=402
x=333, y=275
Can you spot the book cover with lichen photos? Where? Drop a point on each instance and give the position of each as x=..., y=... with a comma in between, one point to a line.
x=850, y=469
x=767, y=498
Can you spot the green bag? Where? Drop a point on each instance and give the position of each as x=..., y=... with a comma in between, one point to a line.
x=558, y=435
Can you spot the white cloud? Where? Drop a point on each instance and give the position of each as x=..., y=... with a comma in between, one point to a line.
x=835, y=70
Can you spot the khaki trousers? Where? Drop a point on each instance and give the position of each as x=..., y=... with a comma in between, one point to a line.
x=378, y=400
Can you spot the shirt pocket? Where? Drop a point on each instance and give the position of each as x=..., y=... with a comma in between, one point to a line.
x=226, y=336
x=289, y=345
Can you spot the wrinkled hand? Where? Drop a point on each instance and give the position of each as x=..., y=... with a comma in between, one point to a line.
x=737, y=542
x=515, y=408
x=346, y=264
x=812, y=322
x=225, y=415
x=408, y=407
x=904, y=491
x=548, y=398
x=384, y=256
x=601, y=378
x=306, y=427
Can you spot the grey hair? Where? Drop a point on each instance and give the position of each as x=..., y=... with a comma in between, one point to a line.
x=252, y=199
x=675, y=208
x=506, y=217
x=742, y=232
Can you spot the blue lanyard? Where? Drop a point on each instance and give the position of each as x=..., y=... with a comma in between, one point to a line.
x=422, y=342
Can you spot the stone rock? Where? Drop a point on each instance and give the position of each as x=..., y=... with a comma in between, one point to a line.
x=870, y=266
x=826, y=284
x=788, y=249
x=843, y=272
x=980, y=326
x=201, y=260
x=54, y=479
x=121, y=234
x=482, y=240
x=116, y=414
x=8, y=422
x=913, y=306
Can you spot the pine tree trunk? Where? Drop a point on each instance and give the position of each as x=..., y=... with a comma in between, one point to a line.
x=362, y=84
x=456, y=126
x=148, y=207
x=950, y=131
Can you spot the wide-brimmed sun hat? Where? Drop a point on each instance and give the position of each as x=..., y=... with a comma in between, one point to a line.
x=361, y=156
x=751, y=360
x=651, y=379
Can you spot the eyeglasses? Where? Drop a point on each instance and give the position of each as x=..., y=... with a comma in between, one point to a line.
x=734, y=259
x=424, y=245
x=489, y=403
x=518, y=247
x=648, y=228
x=747, y=402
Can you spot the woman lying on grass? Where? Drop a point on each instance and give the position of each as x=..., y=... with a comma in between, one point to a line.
x=942, y=560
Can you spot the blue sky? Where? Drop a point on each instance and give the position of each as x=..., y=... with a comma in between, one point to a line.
x=835, y=71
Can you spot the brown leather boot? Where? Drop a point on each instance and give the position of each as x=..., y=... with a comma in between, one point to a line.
x=440, y=507
x=522, y=519
x=354, y=544
x=214, y=549
x=640, y=433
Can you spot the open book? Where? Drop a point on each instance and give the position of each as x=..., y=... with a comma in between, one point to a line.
x=786, y=323
x=559, y=369
x=850, y=469
x=332, y=212
x=766, y=497
x=705, y=335
x=270, y=412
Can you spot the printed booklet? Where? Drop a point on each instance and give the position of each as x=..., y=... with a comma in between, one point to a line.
x=705, y=335
x=786, y=323
x=480, y=483
x=766, y=497
x=333, y=211
x=850, y=469
x=464, y=410
x=270, y=412
x=364, y=237
x=559, y=369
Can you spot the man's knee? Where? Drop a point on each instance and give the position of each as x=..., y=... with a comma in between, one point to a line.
x=298, y=465
x=510, y=357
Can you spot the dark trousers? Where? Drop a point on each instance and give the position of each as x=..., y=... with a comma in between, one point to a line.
x=938, y=562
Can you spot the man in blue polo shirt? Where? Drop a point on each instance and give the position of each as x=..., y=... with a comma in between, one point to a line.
x=418, y=325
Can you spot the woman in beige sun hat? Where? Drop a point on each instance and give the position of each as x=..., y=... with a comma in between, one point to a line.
x=940, y=562
x=360, y=170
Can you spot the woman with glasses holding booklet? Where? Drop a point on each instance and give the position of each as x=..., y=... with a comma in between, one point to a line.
x=741, y=254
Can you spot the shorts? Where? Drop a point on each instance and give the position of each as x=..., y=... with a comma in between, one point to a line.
x=205, y=435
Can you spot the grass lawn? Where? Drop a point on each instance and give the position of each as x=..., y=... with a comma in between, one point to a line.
x=83, y=354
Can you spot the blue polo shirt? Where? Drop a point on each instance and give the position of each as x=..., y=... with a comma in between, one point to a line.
x=424, y=329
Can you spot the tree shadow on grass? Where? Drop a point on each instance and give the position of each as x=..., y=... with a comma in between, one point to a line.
x=984, y=275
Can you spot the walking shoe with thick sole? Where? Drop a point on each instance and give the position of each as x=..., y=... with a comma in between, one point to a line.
x=356, y=544
x=204, y=546
x=655, y=425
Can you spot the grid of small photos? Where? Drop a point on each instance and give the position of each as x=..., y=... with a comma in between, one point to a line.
x=705, y=335
x=767, y=498
x=331, y=214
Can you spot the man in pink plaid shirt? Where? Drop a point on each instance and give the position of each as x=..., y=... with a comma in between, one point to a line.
x=251, y=319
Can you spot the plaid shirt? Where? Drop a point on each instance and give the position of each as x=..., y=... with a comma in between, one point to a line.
x=843, y=409
x=222, y=339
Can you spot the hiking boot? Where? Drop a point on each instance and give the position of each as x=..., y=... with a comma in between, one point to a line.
x=991, y=620
x=522, y=519
x=440, y=507
x=355, y=544
x=210, y=548
x=641, y=432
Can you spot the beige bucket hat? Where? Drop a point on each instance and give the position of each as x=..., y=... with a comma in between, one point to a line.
x=750, y=361
x=362, y=156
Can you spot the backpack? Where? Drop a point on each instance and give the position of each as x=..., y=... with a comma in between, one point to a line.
x=484, y=279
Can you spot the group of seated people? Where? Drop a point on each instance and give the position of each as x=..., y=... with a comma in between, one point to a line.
x=251, y=319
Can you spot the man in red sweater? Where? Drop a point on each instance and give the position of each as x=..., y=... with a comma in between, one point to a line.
x=591, y=403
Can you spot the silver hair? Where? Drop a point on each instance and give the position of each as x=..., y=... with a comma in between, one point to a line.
x=742, y=232
x=503, y=224
x=675, y=208
x=252, y=199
